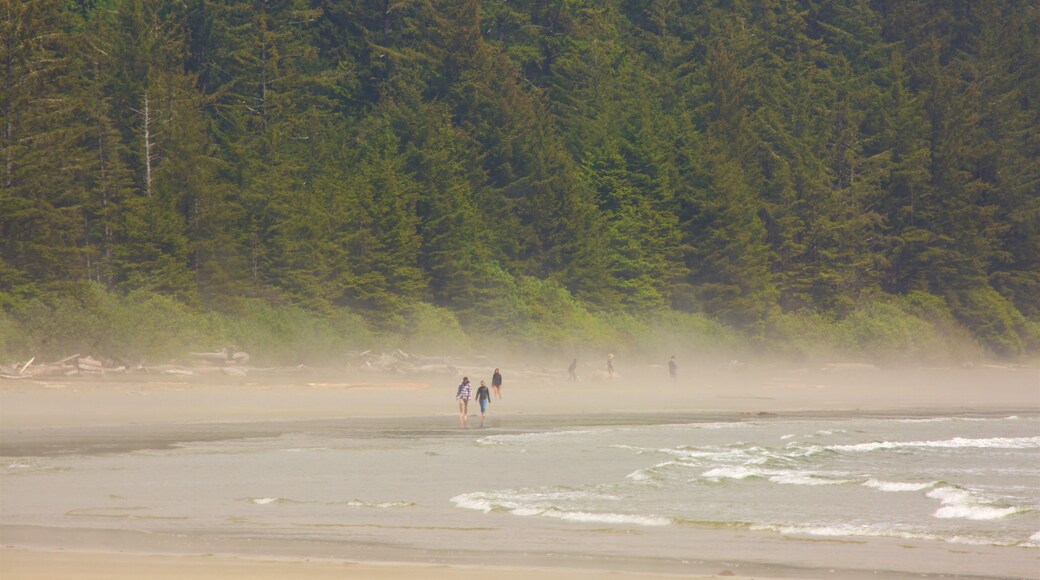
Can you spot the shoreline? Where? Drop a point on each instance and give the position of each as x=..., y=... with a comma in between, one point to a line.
x=54, y=441
x=97, y=416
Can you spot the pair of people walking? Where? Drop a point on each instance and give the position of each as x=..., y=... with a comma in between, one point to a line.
x=483, y=396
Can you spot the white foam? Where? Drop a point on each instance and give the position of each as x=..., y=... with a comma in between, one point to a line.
x=606, y=518
x=647, y=473
x=843, y=531
x=974, y=512
x=473, y=501
x=737, y=472
x=804, y=479
x=962, y=504
x=263, y=500
x=531, y=437
x=509, y=502
x=389, y=504
x=955, y=443
x=897, y=485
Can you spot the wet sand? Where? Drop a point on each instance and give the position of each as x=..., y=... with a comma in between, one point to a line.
x=88, y=415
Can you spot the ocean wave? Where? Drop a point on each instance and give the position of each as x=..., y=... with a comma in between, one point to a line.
x=383, y=505
x=955, y=443
x=351, y=503
x=805, y=479
x=267, y=500
x=874, y=531
x=532, y=437
x=897, y=485
x=649, y=474
x=844, y=531
x=515, y=505
x=960, y=503
x=949, y=419
x=778, y=476
x=604, y=518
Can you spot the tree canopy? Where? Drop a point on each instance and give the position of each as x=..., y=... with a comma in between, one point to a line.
x=736, y=159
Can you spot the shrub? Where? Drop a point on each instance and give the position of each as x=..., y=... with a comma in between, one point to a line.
x=994, y=319
x=290, y=334
x=430, y=328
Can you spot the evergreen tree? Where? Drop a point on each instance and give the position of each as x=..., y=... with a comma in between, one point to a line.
x=43, y=147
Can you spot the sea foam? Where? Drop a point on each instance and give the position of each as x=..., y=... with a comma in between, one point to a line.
x=955, y=443
x=515, y=505
x=962, y=504
x=897, y=485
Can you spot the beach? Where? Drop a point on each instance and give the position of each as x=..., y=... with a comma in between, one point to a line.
x=323, y=473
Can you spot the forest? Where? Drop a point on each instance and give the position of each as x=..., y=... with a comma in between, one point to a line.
x=298, y=177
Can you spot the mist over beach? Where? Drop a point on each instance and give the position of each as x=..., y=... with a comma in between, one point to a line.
x=488, y=288
x=764, y=471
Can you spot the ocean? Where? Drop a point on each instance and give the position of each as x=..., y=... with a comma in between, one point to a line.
x=613, y=485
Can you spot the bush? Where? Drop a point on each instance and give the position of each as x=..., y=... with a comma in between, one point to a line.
x=994, y=319
x=290, y=334
x=433, y=329
x=885, y=330
x=801, y=335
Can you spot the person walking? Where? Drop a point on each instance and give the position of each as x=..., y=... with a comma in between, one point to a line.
x=483, y=397
x=673, y=368
x=572, y=371
x=462, y=396
x=610, y=365
x=496, y=383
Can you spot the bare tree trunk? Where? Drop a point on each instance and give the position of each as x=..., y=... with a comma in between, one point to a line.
x=146, y=113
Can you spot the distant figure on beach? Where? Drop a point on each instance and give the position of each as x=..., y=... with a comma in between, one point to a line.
x=673, y=367
x=483, y=397
x=496, y=383
x=610, y=365
x=462, y=396
x=572, y=371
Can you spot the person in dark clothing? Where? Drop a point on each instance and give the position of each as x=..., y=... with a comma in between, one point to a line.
x=572, y=371
x=673, y=367
x=496, y=383
x=483, y=397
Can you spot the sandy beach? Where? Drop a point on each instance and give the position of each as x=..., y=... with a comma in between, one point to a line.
x=112, y=415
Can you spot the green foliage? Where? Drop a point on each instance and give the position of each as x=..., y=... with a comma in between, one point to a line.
x=916, y=328
x=993, y=318
x=884, y=330
x=579, y=174
x=87, y=319
x=289, y=334
x=432, y=329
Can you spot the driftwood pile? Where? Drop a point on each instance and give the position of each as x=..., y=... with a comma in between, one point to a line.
x=70, y=365
x=224, y=361
x=229, y=362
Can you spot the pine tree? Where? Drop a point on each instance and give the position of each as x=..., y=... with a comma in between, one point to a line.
x=43, y=147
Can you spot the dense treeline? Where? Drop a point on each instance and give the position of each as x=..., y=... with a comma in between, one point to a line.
x=492, y=161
